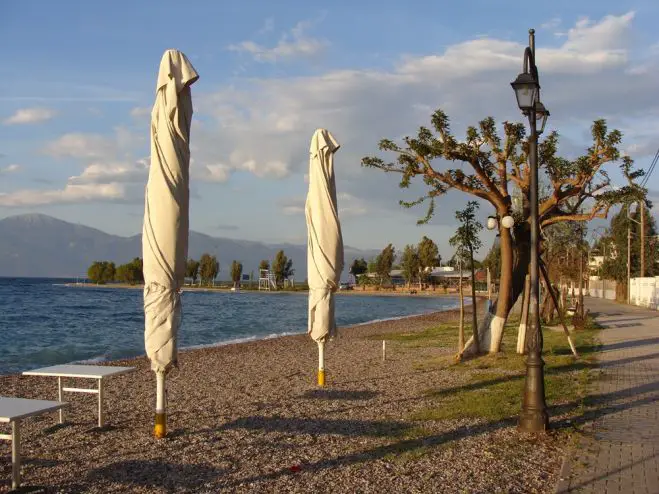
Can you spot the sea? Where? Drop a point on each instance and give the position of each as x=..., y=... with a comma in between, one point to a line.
x=48, y=321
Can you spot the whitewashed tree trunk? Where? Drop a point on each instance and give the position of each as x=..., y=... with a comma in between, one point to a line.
x=524, y=320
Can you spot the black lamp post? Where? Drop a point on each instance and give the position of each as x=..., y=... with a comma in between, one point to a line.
x=534, y=417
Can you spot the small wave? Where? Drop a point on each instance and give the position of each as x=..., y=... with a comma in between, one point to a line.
x=246, y=339
x=398, y=318
x=91, y=361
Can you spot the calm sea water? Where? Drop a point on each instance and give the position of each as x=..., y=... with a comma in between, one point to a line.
x=43, y=322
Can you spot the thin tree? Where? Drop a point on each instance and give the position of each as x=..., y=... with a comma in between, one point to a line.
x=410, y=264
x=384, y=263
x=429, y=257
x=236, y=273
x=209, y=267
x=192, y=270
x=466, y=238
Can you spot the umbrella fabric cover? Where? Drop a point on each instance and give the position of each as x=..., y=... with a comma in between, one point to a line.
x=325, y=243
x=165, y=232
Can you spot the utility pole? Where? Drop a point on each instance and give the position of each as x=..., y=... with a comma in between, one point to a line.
x=581, y=232
x=641, y=204
x=629, y=255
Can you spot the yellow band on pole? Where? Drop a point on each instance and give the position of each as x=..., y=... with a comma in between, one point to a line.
x=160, y=427
x=321, y=377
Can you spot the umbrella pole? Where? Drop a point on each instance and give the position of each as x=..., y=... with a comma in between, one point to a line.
x=321, y=363
x=160, y=427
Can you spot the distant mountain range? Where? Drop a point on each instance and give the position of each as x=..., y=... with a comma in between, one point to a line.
x=43, y=246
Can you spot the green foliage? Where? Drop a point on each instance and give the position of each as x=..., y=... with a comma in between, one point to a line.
x=282, y=266
x=130, y=272
x=493, y=261
x=209, y=267
x=615, y=263
x=429, y=257
x=410, y=263
x=236, y=272
x=466, y=236
x=192, y=270
x=384, y=262
x=101, y=272
x=264, y=264
x=358, y=267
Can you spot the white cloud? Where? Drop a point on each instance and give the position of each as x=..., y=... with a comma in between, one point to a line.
x=13, y=168
x=551, y=24
x=140, y=111
x=349, y=205
x=30, y=116
x=70, y=194
x=112, y=173
x=218, y=173
x=95, y=146
x=293, y=44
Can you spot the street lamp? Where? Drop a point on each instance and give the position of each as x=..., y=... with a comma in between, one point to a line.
x=534, y=416
x=506, y=222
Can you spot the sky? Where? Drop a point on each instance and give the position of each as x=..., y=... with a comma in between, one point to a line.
x=78, y=82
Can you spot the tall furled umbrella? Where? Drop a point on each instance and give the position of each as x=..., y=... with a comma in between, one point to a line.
x=325, y=243
x=166, y=220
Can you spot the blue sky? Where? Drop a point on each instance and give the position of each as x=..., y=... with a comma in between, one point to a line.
x=79, y=77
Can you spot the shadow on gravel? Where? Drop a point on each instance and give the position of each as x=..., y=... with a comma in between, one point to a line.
x=601, y=406
x=319, y=426
x=150, y=473
x=629, y=344
x=335, y=394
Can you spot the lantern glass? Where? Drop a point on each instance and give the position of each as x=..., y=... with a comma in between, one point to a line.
x=526, y=91
x=541, y=115
x=491, y=223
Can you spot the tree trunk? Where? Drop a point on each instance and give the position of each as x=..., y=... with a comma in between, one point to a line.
x=474, y=314
x=515, y=260
x=524, y=320
x=461, y=328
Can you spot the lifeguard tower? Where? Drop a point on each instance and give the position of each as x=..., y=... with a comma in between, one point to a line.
x=267, y=280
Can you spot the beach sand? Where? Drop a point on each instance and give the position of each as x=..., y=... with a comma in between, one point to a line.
x=249, y=418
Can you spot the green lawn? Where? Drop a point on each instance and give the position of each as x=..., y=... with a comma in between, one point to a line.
x=492, y=384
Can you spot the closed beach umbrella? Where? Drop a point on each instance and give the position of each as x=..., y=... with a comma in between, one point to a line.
x=166, y=219
x=325, y=243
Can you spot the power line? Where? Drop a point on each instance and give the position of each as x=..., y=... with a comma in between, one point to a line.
x=646, y=177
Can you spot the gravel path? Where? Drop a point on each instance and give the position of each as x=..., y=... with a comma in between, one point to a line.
x=249, y=418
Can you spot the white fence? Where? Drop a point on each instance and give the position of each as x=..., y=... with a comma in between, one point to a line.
x=602, y=289
x=644, y=292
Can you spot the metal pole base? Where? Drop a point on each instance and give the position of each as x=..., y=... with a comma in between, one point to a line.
x=160, y=427
x=321, y=377
x=534, y=417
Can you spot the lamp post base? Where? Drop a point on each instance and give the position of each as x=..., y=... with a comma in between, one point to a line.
x=534, y=416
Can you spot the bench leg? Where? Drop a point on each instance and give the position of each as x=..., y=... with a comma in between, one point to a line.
x=15, y=454
x=59, y=397
x=100, y=402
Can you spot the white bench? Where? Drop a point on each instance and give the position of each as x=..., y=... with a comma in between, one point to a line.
x=13, y=410
x=98, y=372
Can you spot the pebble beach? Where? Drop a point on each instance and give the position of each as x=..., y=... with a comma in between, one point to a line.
x=249, y=418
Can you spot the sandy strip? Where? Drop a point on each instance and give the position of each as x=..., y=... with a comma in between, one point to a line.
x=249, y=418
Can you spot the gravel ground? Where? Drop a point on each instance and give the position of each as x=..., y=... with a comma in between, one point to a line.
x=249, y=418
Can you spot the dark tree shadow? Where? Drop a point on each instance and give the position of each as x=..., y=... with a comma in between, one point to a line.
x=149, y=473
x=319, y=426
x=629, y=344
x=335, y=394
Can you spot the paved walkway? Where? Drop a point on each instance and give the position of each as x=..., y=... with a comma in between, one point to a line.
x=622, y=454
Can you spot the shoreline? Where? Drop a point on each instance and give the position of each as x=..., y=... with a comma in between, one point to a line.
x=402, y=292
x=100, y=360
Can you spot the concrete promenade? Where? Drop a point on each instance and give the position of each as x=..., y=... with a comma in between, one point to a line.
x=620, y=454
